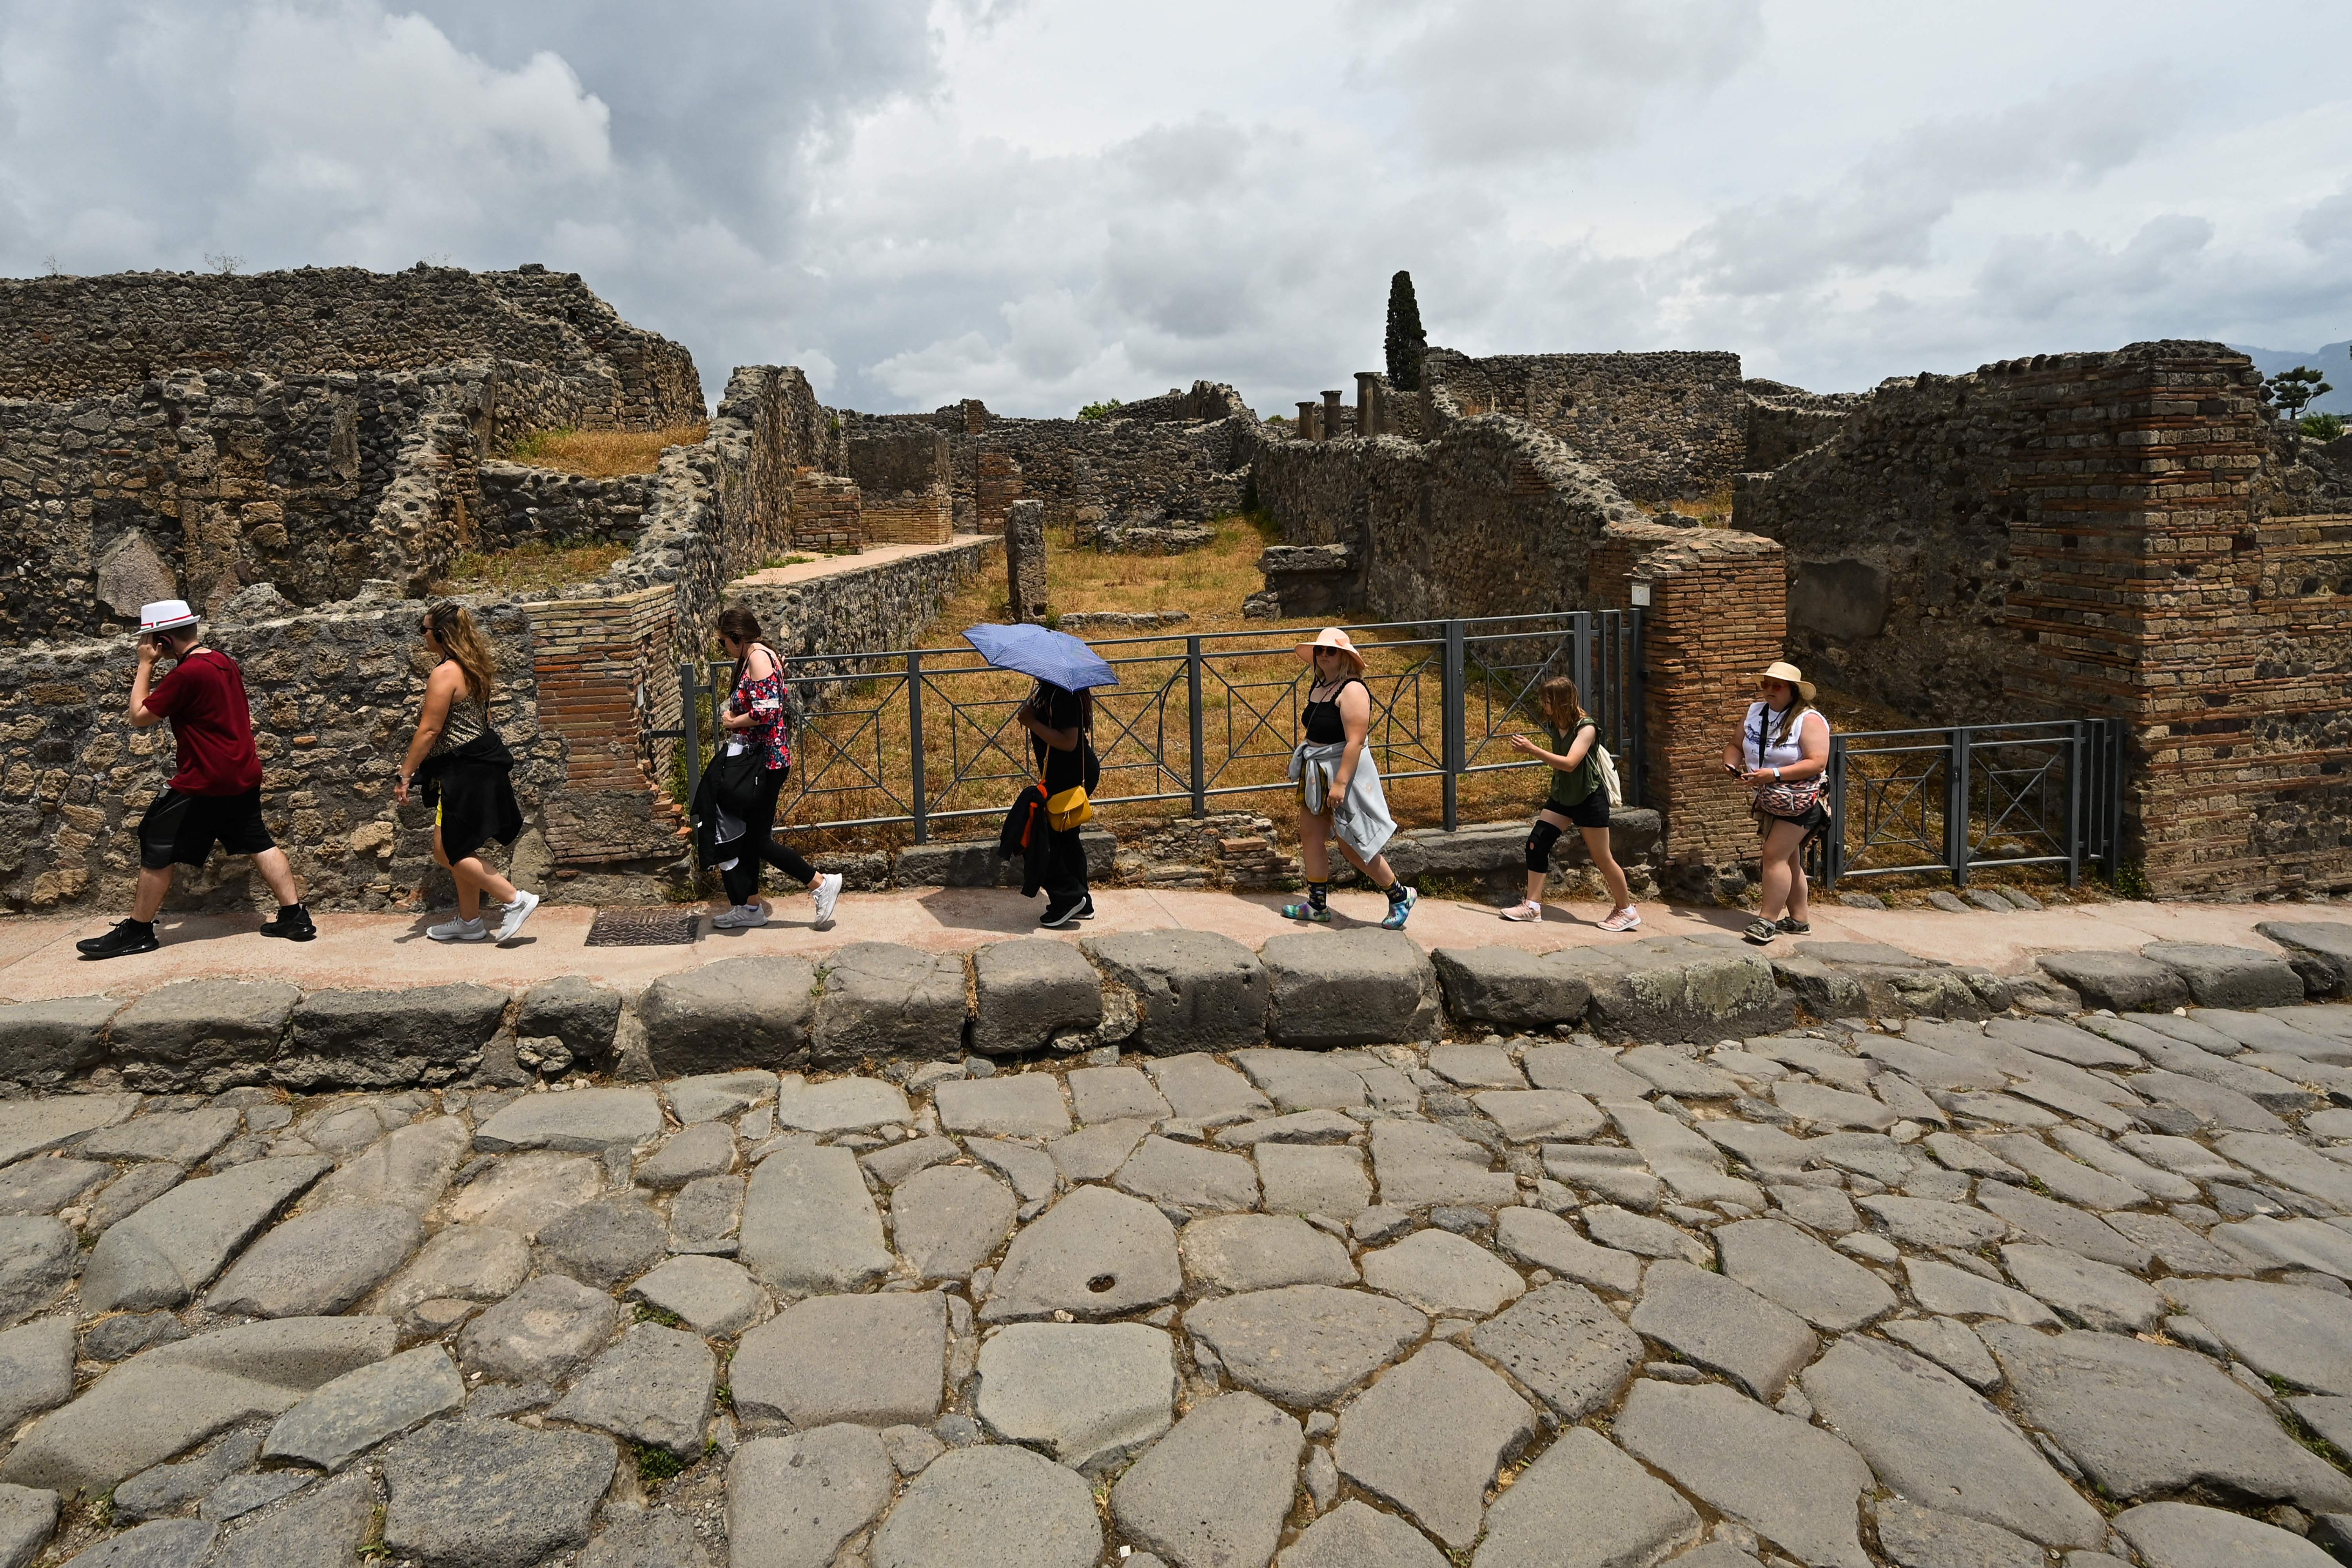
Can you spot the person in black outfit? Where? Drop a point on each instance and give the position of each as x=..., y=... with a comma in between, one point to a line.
x=756, y=716
x=1057, y=722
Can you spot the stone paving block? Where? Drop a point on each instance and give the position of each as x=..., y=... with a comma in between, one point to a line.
x=167, y=1488
x=653, y=1388
x=580, y=1121
x=36, y=1369
x=1475, y=1067
x=1565, y=1347
x=706, y=1216
x=950, y=1220
x=840, y=1105
x=1950, y=1344
x=2089, y=1295
x=387, y=1040
x=408, y=1168
x=709, y=1096
x=1348, y=988
x=1792, y=1269
x=1927, y=1435
x=2186, y=1535
x=737, y=1013
x=650, y=1538
x=170, y=1248
x=1113, y=1094
x=2123, y=982
x=323, y=1530
x=1767, y=1151
x=1016, y=1105
x=1191, y=1178
x=2062, y=1226
x=573, y=1009
x=705, y=1149
x=45, y=1185
x=875, y=1360
x=1509, y=988
x=2318, y=950
x=184, y=1138
x=1674, y=988
x=1356, y=1535
x=2222, y=977
x=491, y=1495
x=2143, y=1419
x=1722, y=1325
x=1822, y=1107
x=2068, y=1179
x=2302, y=1336
x=996, y=1506
x=1924, y=1222
x=345, y=1418
x=2292, y=1163
x=884, y=999
x=1302, y=1080
x=1825, y=1209
x=1296, y=1178
x=1305, y=1345
x=1089, y=1394
x=45, y=1041
x=198, y=1033
x=793, y=1502
x=809, y=1223
x=543, y=1333
x=1642, y=1235
x=1429, y=1436
x=1621, y=1175
x=1194, y=990
x=1686, y=1163
x=1030, y=992
x=1932, y=1067
x=319, y=1264
x=1914, y=1537
x=1793, y=1484
x=1031, y=1170
x=713, y=1297
x=894, y=1162
x=1534, y=1115
x=2178, y=1247
x=1541, y=1240
x=526, y=1193
x=160, y=1543
x=1228, y=1253
x=1095, y=1153
x=604, y=1243
x=1216, y=1489
x=1587, y=1069
x=1670, y=1071
x=1441, y=1273
x=1585, y=1502
x=1300, y=1126
x=1940, y=1288
x=1096, y=1254
x=1199, y=1088
x=1419, y=1164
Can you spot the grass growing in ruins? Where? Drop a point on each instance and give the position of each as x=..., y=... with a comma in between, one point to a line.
x=602, y=454
x=534, y=564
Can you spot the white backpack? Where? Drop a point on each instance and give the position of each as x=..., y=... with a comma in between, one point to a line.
x=1609, y=780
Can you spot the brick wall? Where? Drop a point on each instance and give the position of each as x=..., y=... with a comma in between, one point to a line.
x=1714, y=619
x=828, y=514
x=599, y=664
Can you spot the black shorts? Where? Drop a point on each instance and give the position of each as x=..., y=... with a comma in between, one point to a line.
x=1815, y=817
x=180, y=829
x=1592, y=811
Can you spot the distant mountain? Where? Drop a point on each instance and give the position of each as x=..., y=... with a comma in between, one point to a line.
x=2330, y=361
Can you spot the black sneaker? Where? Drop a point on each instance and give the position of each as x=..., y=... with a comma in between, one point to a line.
x=125, y=938
x=1086, y=908
x=1059, y=916
x=292, y=922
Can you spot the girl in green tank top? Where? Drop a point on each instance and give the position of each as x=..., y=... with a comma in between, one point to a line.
x=1577, y=800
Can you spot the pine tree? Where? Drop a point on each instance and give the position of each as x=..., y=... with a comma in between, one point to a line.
x=1406, y=341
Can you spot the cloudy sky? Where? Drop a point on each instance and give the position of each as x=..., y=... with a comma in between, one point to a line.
x=1044, y=201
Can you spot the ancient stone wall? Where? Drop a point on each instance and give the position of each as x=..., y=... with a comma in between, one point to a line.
x=1784, y=420
x=68, y=338
x=904, y=485
x=1659, y=426
x=521, y=504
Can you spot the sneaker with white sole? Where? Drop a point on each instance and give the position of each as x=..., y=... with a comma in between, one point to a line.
x=739, y=917
x=459, y=931
x=1399, y=910
x=517, y=912
x=1627, y=918
x=826, y=893
x=1526, y=911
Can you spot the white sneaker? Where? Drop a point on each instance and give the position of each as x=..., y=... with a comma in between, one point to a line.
x=741, y=917
x=517, y=912
x=827, y=891
x=1525, y=910
x=459, y=931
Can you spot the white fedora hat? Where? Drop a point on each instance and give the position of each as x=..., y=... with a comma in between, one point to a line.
x=166, y=615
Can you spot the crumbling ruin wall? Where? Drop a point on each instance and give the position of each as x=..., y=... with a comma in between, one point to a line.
x=906, y=495
x=1784, y=420
x=67, y=338
x=521, y=504
x=1658, y=426
x=1183, y=457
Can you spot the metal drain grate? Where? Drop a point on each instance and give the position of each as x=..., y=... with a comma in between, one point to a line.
x=641, y=928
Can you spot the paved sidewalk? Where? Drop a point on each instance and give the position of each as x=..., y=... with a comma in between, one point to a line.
x=37, y=958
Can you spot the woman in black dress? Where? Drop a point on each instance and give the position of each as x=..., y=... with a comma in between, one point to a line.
x=467, y=773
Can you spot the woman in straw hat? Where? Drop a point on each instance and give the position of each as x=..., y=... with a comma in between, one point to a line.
x=1338, y=788
x=1781, y=752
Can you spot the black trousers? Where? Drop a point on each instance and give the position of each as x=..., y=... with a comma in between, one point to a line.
x=1064, y=880
x=742, y=879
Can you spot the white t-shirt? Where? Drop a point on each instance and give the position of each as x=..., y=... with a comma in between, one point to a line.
x=1760, y=742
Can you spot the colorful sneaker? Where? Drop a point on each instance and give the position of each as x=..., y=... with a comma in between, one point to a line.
x=1399, y=910
x=1627, y=918
x=517, y=912
x=459, y=931
x=826, y=892
x=1318, y=914
x=1525, y=910
x=126, y=938
x=739, y=917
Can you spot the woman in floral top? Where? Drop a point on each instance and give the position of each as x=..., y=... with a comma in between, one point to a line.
x=759, y=715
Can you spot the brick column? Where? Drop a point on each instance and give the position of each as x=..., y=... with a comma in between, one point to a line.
x=604, y=679
x=1717, y=614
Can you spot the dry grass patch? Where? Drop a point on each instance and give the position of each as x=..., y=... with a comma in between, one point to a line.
x=531, y=566
x=604, y=454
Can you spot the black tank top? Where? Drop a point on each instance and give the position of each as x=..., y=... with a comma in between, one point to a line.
x=1322, y=719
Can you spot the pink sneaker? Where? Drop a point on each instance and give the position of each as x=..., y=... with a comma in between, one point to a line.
x=1627, y=918
x=1525, y=910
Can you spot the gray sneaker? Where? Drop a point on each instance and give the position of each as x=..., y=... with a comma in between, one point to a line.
x=459, y=931
x=739, y=917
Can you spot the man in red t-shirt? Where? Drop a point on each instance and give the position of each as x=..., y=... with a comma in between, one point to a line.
x=215, y=795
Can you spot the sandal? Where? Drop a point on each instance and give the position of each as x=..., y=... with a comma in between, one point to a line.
x=1792, y=926
x=1760, y=931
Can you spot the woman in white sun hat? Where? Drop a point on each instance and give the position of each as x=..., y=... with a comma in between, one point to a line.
x=1782, y=752
x=1338, y=788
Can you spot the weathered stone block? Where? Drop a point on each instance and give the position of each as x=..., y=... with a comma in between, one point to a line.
x=583, y=1016
x=2124, y=981
x=1507, y=987
x=1348, y=988
x=736, y=1013
x=881, y=999
x=2223, y=976
x=382, y=1040
x=1028, y=991
x=1194, y=989
x=202, y=1032
x=2319, y=950
x=1680, y=988
x=41, y=1042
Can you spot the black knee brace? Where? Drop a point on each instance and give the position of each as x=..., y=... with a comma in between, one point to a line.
x=1540, y=838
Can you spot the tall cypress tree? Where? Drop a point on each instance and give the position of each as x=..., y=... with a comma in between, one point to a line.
x=1406, y=341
